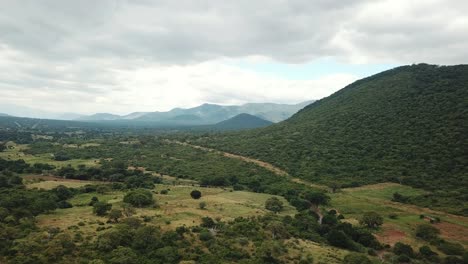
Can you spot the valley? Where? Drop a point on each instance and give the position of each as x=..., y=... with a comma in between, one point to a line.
x=325, y=186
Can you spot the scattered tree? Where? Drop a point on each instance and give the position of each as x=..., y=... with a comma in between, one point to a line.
x=274, y=204
x=195, y=194
x=115, y=214
x=371, y=220
x=139, y=198
x=101, y=208
x=427, y=231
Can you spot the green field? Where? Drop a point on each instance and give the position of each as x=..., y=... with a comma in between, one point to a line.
x=15, y=152
x=353, y=202
x=174, y=209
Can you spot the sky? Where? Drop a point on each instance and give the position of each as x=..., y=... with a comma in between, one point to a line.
x=148, y=55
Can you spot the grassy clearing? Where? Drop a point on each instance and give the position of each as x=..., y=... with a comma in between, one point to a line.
x=16, y=153
x=322, y=254
x=353, y=202
x=175, y=208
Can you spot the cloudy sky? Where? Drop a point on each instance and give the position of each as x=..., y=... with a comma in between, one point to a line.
x=144, y=55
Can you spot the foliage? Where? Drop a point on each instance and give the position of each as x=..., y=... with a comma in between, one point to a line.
x=405, y=125
x=427, y=231
x=371, y=219
x=195, y=194
x=139, y=198
x=101, y=208
x=274, y=204
x=355, y=258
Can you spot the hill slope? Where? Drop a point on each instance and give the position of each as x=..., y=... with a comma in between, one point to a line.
x=409, y=124
x=242, y=121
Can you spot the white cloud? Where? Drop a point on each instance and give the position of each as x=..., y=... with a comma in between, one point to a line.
x=122, y=56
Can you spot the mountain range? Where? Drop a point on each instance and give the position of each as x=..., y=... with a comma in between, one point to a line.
x=206, y=113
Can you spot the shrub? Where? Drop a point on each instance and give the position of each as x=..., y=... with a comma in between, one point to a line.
x=453, y=260
x=426, y=251
x=427, y=232
x=451, y=248
x=205, y=235
x=356, y=258
x=163, y=192
x=403, y=249
x=371, y=220
x=202, y=205
x=139, y=198
x=195, y=194
x=101, y=208
x=274, y=204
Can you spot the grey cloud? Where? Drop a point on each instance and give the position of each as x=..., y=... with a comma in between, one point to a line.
x=79, y=46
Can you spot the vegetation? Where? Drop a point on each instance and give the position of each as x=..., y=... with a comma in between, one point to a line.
x=405, y=125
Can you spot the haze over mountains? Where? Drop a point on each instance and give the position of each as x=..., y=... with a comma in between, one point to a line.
x=207, y=113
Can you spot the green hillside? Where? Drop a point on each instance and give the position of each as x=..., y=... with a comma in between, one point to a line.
x=407, y=125
x=242, y=121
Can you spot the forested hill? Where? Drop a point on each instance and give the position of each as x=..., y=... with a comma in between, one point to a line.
x=408, y=124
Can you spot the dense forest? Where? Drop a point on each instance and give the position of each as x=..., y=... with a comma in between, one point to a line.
x=407, y=125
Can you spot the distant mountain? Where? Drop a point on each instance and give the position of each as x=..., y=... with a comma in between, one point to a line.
x=100, y=117
x=2, y=114
x=241, y=121
x=134, y=115
x=207, y=114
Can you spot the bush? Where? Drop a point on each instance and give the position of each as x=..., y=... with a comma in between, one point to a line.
x=403, y=259
x=427, y=231
x=426, y=251
x=101, y=208
x=356, y=258
x=274, y=204
x=205, y=235
x=195, y=194
x=163, y=192
x=453, y=260
x=451, y=248
x=202, y=205
x=403, y=249
x=139, y=198
x=371, y=220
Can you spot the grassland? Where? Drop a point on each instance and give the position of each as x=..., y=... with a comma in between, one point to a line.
x=16, y=152
x=353, y=202
x=174, y=209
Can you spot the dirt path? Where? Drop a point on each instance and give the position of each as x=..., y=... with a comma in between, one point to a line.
x=260, y=163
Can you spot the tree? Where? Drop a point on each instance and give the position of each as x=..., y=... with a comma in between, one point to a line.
x=427, y=231
x=195, y=194
x=123, y=255
x=274, y=204
x=128, y=210
x=371, y=220
x=339, y=239
x=317, y=198
x=101, y=208
x=115, y=214
x=139, y=198
x=403, y=249
x=356, y=258
x=426, y=251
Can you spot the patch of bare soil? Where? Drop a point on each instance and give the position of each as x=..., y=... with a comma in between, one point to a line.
x=390, y=235
x=452, y=231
